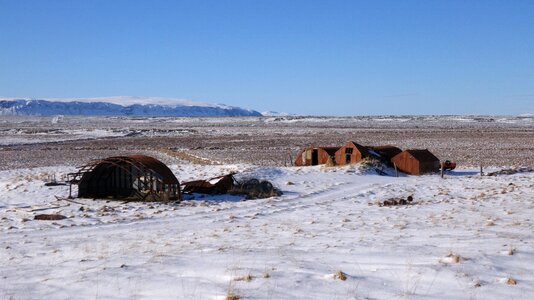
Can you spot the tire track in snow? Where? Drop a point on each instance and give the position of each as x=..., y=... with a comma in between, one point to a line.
x=263, y=207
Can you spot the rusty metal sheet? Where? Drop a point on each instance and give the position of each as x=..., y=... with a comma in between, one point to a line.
x=216, y=185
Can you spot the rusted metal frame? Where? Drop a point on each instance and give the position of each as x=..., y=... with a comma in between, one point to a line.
x=112, y=161
x=142, y=169
x=87, y=168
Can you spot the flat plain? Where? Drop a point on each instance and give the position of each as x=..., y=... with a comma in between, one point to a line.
x=267, y=141
x=327, y=237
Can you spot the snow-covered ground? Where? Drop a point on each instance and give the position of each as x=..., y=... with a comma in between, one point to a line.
x=463, y=237
x=21, y=136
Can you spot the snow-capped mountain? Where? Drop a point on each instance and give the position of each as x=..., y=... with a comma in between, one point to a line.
x=119, y=106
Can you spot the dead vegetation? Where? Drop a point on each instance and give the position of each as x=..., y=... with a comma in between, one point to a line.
x=246, y=278
x=232, y=296
x=451, y=257
x=340, y=275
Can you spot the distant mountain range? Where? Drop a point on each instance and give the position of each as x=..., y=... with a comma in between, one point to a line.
x=120, y=106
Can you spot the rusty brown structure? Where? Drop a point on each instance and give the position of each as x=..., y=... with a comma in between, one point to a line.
x=350, y=153
x=134, y=177
x=313, y=156
x=416, y=162
x=384, y=153
x=216, y=185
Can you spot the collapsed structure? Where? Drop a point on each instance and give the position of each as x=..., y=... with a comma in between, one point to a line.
x=216, y=185
x=134, y=177
x=252, y=188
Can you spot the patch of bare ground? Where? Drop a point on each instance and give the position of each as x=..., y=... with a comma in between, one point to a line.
x=262, y=140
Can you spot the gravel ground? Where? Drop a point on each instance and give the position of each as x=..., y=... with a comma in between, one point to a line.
x=469, y=140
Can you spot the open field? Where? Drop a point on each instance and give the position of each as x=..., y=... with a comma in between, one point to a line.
x=463, y=237
x=268, y=141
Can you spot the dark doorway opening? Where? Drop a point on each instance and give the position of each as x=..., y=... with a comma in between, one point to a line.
x=315, y=157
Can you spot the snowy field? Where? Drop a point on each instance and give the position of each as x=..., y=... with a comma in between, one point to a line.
x=466, y=236
x=463, y=237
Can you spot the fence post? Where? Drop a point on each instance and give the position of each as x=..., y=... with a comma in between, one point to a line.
x=442, y=164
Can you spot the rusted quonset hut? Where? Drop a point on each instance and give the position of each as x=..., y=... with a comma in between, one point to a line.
x=350, y=153
x=313, y=156
x=416, y=162
x=384, y=153
x=135, y=177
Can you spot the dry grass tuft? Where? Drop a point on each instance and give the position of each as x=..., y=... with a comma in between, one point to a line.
x=232, y=296
x=511, y=281
x=453, y=257
x=490, y=222
x=247, y=278
x=340, y=275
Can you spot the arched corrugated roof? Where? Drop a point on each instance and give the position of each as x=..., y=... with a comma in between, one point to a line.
x=156, y=166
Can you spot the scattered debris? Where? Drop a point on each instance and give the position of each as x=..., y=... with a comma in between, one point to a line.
x=397, y=201
x=49, y=217
x=511, y=171
x=252, y=188
x=255, y=188
x=216, y=185
x=373, y=165
x=53, y=182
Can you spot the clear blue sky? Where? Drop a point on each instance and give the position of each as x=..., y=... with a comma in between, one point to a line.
x=306, y=57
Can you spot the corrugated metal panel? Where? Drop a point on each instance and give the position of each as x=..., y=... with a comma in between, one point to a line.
x=416, y=161
x=135, y=176
x=350, y=153
x=157, y=166
x=314, y=156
